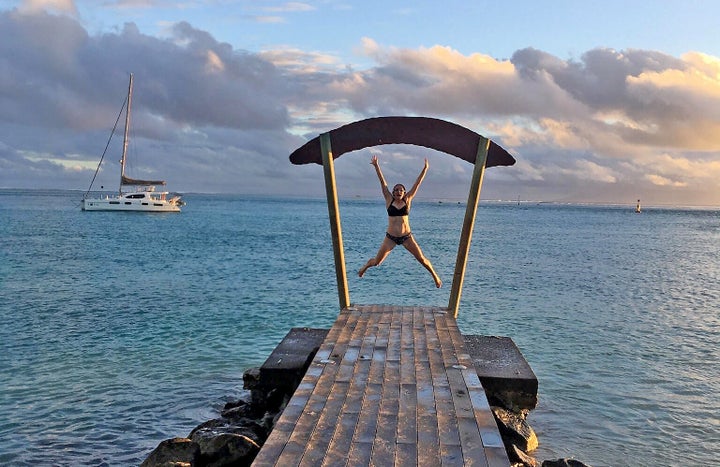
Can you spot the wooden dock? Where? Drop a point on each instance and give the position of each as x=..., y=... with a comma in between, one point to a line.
x=390, y=385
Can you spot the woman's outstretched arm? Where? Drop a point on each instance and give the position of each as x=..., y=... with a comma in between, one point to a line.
x=416, y=185
x=383, y=184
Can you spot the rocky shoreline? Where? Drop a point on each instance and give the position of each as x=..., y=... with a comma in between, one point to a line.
x=236, y=436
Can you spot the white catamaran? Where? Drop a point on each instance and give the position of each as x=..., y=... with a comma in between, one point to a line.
x=142, y=196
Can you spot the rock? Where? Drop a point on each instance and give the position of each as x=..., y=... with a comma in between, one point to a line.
x=515, y=430
x=228, y=449
x=235, y=404
x=251, y=378
x=212, y=428
x=173, y=452
x=276, y=399
x=563, y=463
x=521, y=458
x=228, y=442
x=240, y=411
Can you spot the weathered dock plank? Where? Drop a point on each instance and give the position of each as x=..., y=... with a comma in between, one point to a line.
x=389, y=386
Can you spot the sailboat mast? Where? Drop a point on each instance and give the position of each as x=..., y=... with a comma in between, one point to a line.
x=127, y=130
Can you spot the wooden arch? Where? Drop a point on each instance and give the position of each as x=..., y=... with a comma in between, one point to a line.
x=432, y=133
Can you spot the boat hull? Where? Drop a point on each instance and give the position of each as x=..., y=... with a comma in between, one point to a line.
x=129, y=204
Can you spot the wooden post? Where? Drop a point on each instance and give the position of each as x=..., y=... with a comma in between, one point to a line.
x=468, y=224
x=334, y=214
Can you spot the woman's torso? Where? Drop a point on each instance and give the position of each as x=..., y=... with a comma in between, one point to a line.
x=398, y=224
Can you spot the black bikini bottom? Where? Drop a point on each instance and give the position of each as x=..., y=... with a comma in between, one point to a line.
x=398, y=240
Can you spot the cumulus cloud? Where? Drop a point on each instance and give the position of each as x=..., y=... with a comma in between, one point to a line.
x=607, y=126
x=603, y=113
x=61, y=89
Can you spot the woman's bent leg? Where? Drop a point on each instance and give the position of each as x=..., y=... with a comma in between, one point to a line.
x=385, y=249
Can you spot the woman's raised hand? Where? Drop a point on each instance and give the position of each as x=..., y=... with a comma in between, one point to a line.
x=374, y=160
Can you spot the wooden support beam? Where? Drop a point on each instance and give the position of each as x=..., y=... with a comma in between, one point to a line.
x=334, y=214
x=468, y=224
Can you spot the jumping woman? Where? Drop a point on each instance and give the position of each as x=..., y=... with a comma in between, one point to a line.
x=398, y=203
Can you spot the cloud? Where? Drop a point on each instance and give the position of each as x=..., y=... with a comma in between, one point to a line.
x=588, y=170
x=662, y=181
x=435, y=79
x=276, y=13
x=268, y=19
x=591, y=119
x=62, y=88
x=290, y=7
x=300, y=61
x=608, y=125
x=58, y=6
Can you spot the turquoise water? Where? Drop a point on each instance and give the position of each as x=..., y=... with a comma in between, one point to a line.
x=124, y=329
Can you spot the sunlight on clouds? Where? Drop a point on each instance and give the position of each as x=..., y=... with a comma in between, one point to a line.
x=439, y=59
x=630, y=118
x=556, y=113
x=350, y=83
x=694, y=89
x=442, y=80
x=35, y=6
x=214, y=63
x=300, y=61
x=320, y=116
x=618, y=118
x=706, y=64
x=577, y=170
x=516, y=132
x=698, y=134
x=563, y=134
x=662, y=181
x=473, y=64
x=542, y=132
x=368, y=47
x=68, y=164
x=580, y=170
x=697, y=170
x=691, y=80
x=588, y=170
x=673, y=170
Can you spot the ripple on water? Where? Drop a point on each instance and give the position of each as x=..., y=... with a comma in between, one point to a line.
x=112, y=344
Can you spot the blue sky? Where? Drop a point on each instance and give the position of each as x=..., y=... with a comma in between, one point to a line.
x=566, y=28
x=599, y=101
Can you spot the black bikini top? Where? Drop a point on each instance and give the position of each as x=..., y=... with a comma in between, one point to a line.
x=395, y=212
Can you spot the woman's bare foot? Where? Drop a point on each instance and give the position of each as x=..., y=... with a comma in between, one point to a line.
x=438, y=282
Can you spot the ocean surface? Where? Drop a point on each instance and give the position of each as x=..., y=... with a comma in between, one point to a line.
x=120, y=330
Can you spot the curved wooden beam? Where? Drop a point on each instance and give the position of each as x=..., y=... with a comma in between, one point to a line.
x=431, y=133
